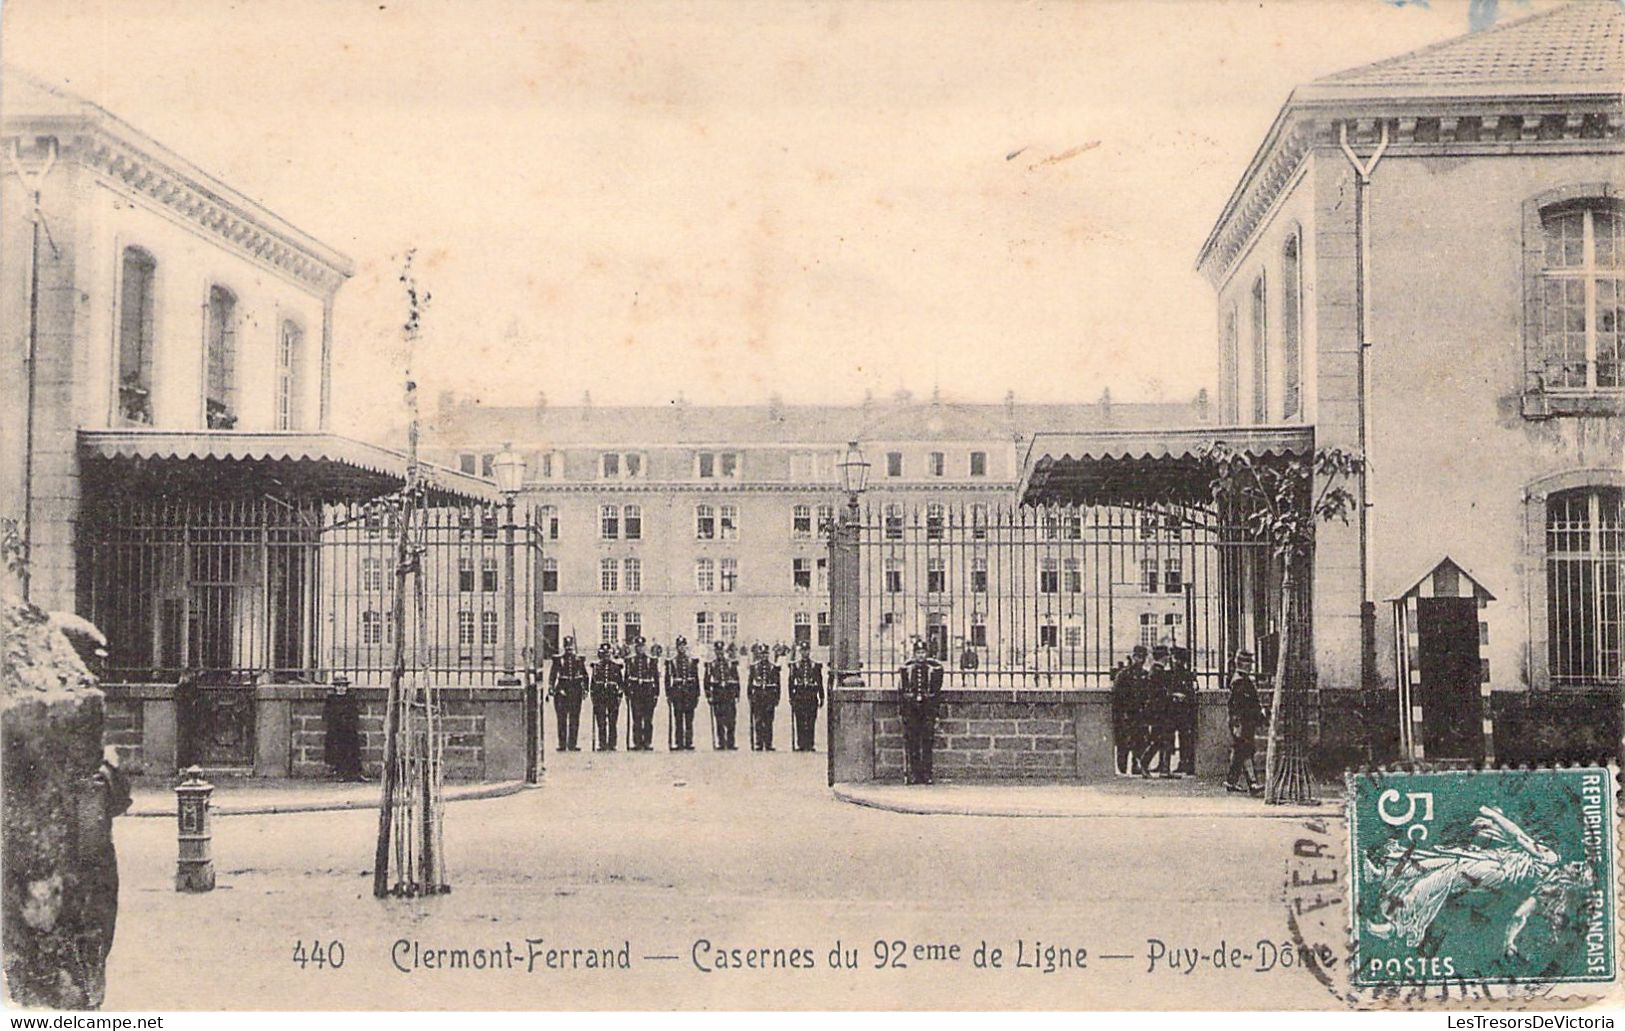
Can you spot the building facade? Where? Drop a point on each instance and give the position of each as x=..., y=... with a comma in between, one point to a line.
x=1424, y=262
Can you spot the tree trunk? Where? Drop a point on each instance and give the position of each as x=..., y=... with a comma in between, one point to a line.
x=1286, y=770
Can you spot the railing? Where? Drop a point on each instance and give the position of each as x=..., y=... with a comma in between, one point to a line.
x=1019, y=596
x=259, y=591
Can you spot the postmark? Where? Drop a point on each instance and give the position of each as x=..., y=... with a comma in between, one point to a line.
x=1492, y=877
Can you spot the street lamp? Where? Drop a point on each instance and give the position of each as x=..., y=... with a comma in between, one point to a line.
x=508, y=468
x=854, y=474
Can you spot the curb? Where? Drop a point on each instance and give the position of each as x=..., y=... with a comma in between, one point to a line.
x=926, y=807
x=472, y=794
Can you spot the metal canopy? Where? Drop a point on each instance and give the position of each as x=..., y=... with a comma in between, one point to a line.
x=323, y=465
x=1104, y=467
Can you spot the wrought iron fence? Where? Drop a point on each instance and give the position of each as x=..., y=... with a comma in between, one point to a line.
x=1010, y=596
x=259, y=590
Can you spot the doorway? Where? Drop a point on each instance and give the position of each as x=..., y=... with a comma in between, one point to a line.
x=1452, y=708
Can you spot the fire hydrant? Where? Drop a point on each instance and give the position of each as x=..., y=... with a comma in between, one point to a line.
x=194, y=868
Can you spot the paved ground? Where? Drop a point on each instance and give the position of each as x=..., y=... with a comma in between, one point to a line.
x=233, y=796
x=1123, y=798
x=664, y=853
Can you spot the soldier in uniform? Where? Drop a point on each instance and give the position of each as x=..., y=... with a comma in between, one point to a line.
x=1183, y=697
x=642, y=695
x=1158, y=726
x=919, y=687
x=722, y=694
x=567, y=686
x=1246, y=719
x=766, y=680
x=607, y=683
x=682, y=695
x=806, y=695
x=1128, y=698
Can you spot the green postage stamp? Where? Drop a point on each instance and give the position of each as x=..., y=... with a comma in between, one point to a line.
x=1482, y=876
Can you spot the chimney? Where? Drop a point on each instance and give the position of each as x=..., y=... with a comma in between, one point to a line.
x=1201, y=405
x=1010, y=405
x=586, y=405
x=1106, y=406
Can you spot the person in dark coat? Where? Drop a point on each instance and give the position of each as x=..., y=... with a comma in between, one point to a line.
x=919, y=689
x=94, y=925
x=1158, y=714
x=806, y=696
x=341, y=724
x=682, y=695
x=1246, y=720
x=607, y=684
x=1128, y=697
x=642, y=695
x=567, y=686
x=1183, y=705
x=722, y=694
x=764, y=691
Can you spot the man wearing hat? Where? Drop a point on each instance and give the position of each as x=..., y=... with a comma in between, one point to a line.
x=1128, y=709
x=1158, y=718
x=1182, y=689
x=806, y=695
x=722, y=694
x=642, y=695
x=1246, y=720
x=919, y=688
x=682, y=695
x=607, y=684
x=764, y=690
x=567, y=686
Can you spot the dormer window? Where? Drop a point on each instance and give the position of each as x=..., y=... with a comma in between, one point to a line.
x=716, y=465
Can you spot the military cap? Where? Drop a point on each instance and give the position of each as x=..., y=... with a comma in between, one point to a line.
x=604, y=649
x=1244, y=662
x=681, y=640
x=1161, y=651
x=1140, y=651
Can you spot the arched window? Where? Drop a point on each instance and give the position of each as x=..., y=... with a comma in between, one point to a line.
x=1291, y=329
x=289, y=354
x=1581, y=295
x=220, y=360
x=137, y=279
x=1261, y=349
x=1585, y=585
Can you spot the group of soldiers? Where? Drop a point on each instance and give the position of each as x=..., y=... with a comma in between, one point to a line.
x=638, y=678
x=1154, y=712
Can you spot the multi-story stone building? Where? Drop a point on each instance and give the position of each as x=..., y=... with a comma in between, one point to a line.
x=712, y=522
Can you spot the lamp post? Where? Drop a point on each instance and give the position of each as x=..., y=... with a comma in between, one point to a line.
x=845, y=587
x=854, y=476
x=508, y=468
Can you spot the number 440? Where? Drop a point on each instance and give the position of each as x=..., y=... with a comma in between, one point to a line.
x=319, y=956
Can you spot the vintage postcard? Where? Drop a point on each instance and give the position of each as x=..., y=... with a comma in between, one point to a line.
x=536, y=505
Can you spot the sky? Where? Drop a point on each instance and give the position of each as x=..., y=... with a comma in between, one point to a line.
x=726, y=201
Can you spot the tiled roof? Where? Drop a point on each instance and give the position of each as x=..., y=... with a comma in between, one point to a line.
x=1581, y=43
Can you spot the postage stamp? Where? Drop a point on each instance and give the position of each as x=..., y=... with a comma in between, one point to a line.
x=1482, y=877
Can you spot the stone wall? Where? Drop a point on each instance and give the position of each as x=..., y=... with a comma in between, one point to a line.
x=989, y=740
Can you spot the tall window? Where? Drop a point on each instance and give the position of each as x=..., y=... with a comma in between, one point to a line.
x=728, y=626
x=609, y=574
x=705, y=628
x=548, y=518
x=632, y=522
x=632, y=574
x=728, y=522
x=1148, y=574
x=135, y=335
x=220, y=360
x=289, y=352
x=609, y=627
x=728, y=575
x=465, y=627
x=1229, y=369
x=801, y=522
x=894, y=463
x=978, y=521
x=1148, y=629
x=488, y=627
x=937, y=463
x=823, y=630
x=1049, y=576
x=705, y=523
x=978, y=575
x=488, y=575
x=1074, y=576
x=894, y=522
x=826, y=521
x=894, y=576
x=705, y=575
x=978, y=630
x=978, y=463
x=372, y=574
x=550, y=575
x=465, y=575
x=1582, y=294
x=632, y=624
x=372, y=627
x=801, y=574
x=1291, y=319
x=609, y=522
x=1585, y=585
x=1261, y=352
x=801, y=628
x=821, y=572
x=1173, y=575
x=936, y=516
x=936, y=575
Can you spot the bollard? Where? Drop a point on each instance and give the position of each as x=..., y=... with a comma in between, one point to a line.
x=194, y=867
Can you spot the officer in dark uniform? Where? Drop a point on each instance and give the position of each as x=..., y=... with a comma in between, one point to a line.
x=607, y=684
x=806, y=695
x=642, y=695
x=1182, y=690
x=1128, y=698
x=919, y=688
x=567, y=686
x=1246, y=720
x=682, y=695
x=341, y=721
x=764, y=691
x=722, y=694
x=1159, y=737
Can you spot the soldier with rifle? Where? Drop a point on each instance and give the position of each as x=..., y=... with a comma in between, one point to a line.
x=722, y=694
x=806, y=696
x=919, y=689
x=766, y=681
x=642, y=694
x=682, y=696
x=607, y=683
x=567, y=686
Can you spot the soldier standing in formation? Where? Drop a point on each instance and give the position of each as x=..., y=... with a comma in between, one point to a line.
x=607, y=681
x=642, y=695
x=1246, y=719
x=567, y=686
x=764, y=691
x=806, y=696
x=722, y=693
x=1128, y=712
x=919, y=688
x=682, y=695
